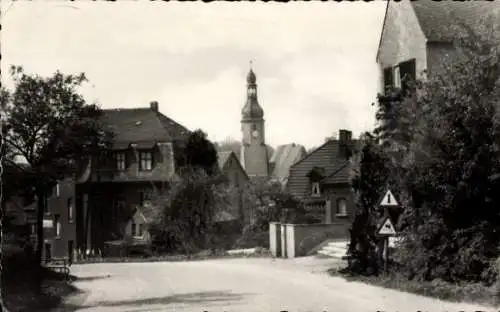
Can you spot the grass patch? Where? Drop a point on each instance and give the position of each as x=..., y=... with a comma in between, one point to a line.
x=474, y=293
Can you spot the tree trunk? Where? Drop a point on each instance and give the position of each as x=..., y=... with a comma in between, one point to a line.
x=87, y=228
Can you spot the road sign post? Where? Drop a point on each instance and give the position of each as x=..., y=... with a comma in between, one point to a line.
x=386, y=253
x=386, y=228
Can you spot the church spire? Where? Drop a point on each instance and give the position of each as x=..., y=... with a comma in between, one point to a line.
x=252, y=109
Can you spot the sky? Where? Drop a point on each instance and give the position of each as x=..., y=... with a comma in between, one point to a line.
x=314, y=61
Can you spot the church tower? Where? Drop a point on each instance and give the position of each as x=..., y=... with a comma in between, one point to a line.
x=254, y=155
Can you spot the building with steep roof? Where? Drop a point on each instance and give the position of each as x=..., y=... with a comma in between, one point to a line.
x=321, y=180
x=236, y=179
x=113, y=187
x=254, y=154
x=417, y=36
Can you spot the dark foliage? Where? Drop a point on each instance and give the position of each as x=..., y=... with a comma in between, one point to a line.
x=199, y=152
x=185, y=217
x=49, y=124
x=369, y=186
x=441, y=143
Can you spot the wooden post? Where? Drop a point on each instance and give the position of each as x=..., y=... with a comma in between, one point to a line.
x=386, y=253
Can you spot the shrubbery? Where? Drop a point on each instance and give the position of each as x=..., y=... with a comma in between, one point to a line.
x=440, y=149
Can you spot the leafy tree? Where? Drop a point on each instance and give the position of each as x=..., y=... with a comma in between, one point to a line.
x=369, y=184
x=199, y=152
x=266, y=202
x=50, y=125
x=455, y=153
x=441, y=144
x=185, y=216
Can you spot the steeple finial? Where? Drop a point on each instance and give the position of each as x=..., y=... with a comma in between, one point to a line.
x=251, y=75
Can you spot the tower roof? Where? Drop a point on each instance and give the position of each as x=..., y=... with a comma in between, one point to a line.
x=252, y=109
x=251, y=77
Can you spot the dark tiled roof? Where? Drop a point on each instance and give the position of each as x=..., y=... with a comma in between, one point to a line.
x=439, y=19
x=283, y=158
x=223, y=158
x=338, y=177
x=326, y=156
x=142, y=126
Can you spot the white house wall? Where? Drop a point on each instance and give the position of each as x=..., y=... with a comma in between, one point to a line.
x=402, y=38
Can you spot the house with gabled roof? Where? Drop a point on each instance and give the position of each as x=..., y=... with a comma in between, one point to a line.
x=321, y=180
x=417, y=36
x=112, y=187
x=236, y=178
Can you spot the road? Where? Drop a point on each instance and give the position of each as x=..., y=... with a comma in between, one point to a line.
x=251, y=284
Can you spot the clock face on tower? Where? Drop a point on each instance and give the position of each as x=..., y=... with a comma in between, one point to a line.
x=251, y=91
x=255, y=134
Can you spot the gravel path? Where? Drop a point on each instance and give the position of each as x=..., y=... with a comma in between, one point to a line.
x=251, y=284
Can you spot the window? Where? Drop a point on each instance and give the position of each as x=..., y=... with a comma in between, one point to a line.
x=33, y=229
x=341, y=207
x=133, y=228
x=315, y=189
x=121, y=164
x=254, y=127
x=387, y=79
x=397, y=77
x=48, y=251
x=56, y=190
x=57, y=225
x=137, y=229
x=70, y=210
x=146, y=161
x=400, y=76
x=408, y=75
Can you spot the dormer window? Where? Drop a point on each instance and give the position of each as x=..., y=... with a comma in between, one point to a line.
x=315, y=191
x=121, y=163
x=145, y=161
x=315, y=176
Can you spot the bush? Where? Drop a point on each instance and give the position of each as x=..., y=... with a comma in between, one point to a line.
x=441, y=147
x=17, y=261
x=253, y=236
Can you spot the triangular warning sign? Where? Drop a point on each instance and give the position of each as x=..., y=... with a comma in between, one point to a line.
x=387, y=228
x=388, y=200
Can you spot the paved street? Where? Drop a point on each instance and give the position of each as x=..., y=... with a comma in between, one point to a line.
x=236, y=285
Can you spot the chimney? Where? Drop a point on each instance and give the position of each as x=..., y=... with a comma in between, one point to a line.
x=345, y=137
x=154, y=105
